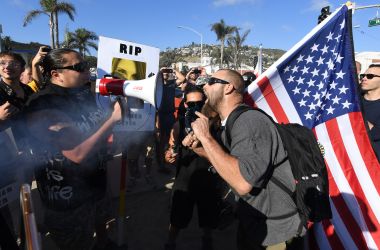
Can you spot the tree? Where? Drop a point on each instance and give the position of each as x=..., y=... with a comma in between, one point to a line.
x=51, y=8
x=236, y=43
x=222, y=31
x=82, y=40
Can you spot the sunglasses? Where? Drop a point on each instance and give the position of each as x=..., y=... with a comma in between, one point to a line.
x=213, y=80
x=369, y=76
x=79, y=67
x=195, y=104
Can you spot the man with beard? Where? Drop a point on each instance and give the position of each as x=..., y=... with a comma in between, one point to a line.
x=68, y=137
x=267, y=215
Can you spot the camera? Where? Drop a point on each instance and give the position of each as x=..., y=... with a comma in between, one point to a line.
x=45, y=49
x=197, y=71
x=167, y=70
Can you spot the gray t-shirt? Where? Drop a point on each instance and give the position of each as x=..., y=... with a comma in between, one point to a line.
x=257, y=145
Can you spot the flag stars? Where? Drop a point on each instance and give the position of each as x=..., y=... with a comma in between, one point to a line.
x=305, y=70
x=328, y=95
x=312, y=106
x=287, y=69
x=320, y=60
x=310, y=83
x=339, y=59
x=295, y=69
x=306, y=93
x=343, y=24
x=290, y=79
x=300, y=58
x=336, y=100
x=343, y=90
x=330, y=64
x=346, y=104
x=337, y=38
x=333, y=85
x=330, y=110
x=308, y=116
x=317, y=96
x=302, y=103
x=329, y=37
x=315, y=72
x=300, y=80
x=340, y=74
x=324, y=49
x=309, y=59
x=296, y=90
x=315, y=47
x=320, y=85
x=325, y=74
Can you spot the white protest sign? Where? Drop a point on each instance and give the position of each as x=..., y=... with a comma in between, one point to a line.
x=129, y=61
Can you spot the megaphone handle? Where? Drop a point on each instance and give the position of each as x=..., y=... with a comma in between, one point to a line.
x=120, y=101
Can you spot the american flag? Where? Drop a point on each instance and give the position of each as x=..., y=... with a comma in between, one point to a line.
x=314, y=84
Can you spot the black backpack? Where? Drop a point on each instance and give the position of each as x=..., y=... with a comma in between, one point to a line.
x=308, y=167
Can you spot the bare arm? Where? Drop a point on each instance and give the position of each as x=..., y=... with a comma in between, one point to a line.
x=170, y=155
x=180, y=77
x=225, y=164
x=66, y=137
x=36, y=71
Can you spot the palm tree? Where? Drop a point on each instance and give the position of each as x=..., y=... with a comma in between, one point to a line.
x=82, y=39
x=222, y=31
x=52, y=8
x=236, y=42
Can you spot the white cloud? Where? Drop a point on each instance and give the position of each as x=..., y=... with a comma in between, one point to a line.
x=317, y=5
x=219, y=3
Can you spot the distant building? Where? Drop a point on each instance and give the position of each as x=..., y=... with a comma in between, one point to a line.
x=367, y=58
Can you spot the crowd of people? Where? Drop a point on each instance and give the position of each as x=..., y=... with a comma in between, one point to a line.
x=51, y=125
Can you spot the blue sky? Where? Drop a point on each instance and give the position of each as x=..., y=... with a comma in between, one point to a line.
x=274, y=23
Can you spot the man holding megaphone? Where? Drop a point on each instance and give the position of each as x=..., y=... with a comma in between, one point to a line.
x=68, y=133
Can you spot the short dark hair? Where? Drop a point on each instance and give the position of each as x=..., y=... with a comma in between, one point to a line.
x=15, y=56
x=192, y=88
x=55, y=59
x=236, y=78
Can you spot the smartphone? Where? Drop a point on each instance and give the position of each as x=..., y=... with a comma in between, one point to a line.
x=45, y=49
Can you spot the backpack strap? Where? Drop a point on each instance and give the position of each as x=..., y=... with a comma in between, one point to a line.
x=231, y=120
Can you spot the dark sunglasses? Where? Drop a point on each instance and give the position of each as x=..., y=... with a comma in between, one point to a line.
x=79, y=67
x=369, y=76
x=213, y=80
x=195, y=104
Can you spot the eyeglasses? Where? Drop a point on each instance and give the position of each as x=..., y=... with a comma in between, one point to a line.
x=369, y=76
x=79, y=67
x=195, y=104
x=213, y=80
x=12, y=64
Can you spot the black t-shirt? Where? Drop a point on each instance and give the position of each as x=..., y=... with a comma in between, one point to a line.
x=372, y=114
x=62, y=183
